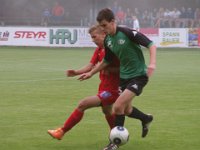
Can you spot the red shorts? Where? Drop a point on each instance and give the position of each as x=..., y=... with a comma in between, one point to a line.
x=107, y=97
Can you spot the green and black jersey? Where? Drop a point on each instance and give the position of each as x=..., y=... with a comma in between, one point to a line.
x=126, y=45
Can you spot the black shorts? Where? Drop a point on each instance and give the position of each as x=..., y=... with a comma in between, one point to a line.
x=135, y=84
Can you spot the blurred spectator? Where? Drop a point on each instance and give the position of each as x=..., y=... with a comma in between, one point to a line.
x=160, y=16
x=46, y=14
x=175, y=14
x=190, y=13
x=197, y=17
x=183, y=17
x=154, y=17
x=197, y=14
x=120, y=16
x=166, y=21
x=57, y=13
x=129, y=18
x=115, y=7
x=183, y=13
x=137, y=13
x=145, y=20
x=136, y=24
x=190, y=17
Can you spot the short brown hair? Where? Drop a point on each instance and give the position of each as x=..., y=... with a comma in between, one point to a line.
x=105, y=14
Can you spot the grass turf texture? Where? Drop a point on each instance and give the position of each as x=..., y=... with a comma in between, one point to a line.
x=36, y=96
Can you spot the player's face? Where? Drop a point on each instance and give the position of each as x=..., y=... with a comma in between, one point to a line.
x=97, y=38
x=108, y=27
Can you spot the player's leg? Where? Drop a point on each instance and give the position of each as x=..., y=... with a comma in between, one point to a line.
x=136, y=86
x=76, y=116
x=107, y=99
x=119, y=110
x=110, y=117
x=120, y=105
x=145, y=119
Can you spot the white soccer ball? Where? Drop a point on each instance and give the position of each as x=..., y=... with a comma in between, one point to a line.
x=119, y=135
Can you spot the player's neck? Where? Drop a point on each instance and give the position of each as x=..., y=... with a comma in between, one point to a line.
x=114, y=30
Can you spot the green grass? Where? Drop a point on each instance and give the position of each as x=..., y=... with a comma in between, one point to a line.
x=36, y=96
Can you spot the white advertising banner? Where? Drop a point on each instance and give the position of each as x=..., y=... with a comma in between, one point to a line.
x=173, y=37
x=21, y=36
x=79, y=37
x=55, y=37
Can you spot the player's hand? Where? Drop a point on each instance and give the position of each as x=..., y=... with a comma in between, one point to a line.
x=151, y=69
x=70, y=73
x=85, y=76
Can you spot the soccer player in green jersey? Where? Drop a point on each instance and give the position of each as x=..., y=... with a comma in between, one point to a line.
x=125, y=43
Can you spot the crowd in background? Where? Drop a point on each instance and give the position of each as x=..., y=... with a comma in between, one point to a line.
x=53, y=16
x=184, y=17
x=59, y=13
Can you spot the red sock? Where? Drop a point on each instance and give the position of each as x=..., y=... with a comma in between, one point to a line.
x=73, y=119
x=111, y=120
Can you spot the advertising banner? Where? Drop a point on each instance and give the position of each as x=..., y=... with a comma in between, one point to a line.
x=70, y=37
x=24, y=36
x=194, y=37
x=173, y=37
x=79, y=37
x=55, y=37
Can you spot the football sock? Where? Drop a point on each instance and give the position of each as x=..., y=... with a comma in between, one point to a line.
x=119, y=120
x=73, y=119
x=137, y=114
x=111, y=120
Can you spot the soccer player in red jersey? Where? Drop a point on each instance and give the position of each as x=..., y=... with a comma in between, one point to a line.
x=107, y=92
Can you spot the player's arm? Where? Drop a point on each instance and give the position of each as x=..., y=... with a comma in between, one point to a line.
x=143, y=40
x=108, y=58
x=96, y=69
x=152, y=62
x=86, y=68
x=72, y=73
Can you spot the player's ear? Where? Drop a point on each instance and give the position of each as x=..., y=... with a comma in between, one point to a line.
x=113, y=20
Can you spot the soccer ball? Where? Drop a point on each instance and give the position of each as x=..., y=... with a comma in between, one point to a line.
x=119, y=135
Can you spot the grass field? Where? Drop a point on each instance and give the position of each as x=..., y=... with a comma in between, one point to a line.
x=36, y=96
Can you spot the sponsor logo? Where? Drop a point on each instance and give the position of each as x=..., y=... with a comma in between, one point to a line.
x=170, y=38
x=61, y=35
x=41, y=35
x=121, y=41
x=4, y=36
x=135, y=86
x=109, y=44
x=105, y=94
x=134, y=33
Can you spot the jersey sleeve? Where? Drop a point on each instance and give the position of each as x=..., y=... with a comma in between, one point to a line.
x=137, y=37
x=94, y=59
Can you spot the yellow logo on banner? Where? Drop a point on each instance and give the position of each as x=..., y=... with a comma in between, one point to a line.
x=169, y=43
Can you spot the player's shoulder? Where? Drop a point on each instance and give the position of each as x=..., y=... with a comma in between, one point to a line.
x=124, y=29
x=130, y=32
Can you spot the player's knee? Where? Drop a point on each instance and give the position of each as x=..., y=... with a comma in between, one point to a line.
x=118, y=109
x=82, y=105
x=107, y=111
x=127, y=111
